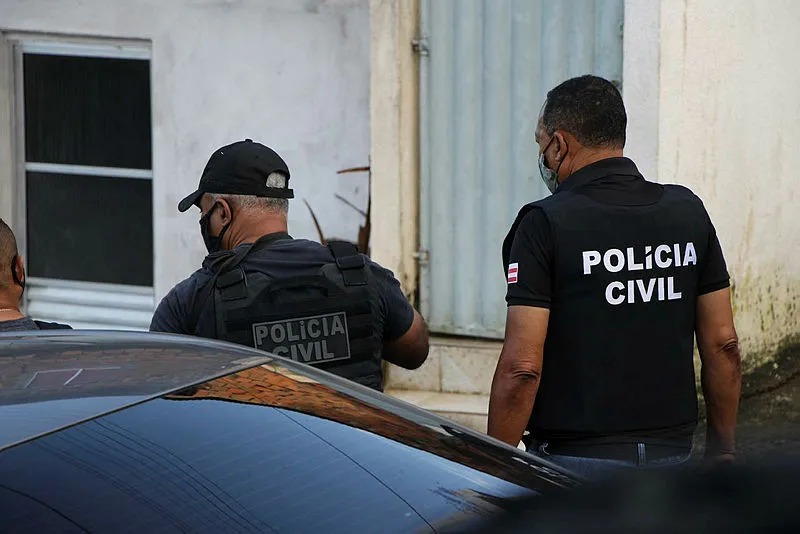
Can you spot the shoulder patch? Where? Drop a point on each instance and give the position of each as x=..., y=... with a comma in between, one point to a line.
x=513, y=272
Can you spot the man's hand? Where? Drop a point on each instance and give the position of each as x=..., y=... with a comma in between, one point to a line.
x=411, y=349
x=516, y=378
x=721, y=374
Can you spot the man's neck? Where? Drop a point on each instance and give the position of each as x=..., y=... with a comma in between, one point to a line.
x=250, y=233
x=586, y=157
x=9, y=309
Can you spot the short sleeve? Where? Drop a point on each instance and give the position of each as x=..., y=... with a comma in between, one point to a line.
x=530, y=261
x=173, y=312
x=398, y=314
x=714, y=272
x=169, y=316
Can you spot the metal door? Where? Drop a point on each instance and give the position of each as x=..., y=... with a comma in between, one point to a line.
x=486, y=66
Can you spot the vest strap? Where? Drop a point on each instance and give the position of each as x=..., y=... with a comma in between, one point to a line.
x=350, y=262
x=221, y=266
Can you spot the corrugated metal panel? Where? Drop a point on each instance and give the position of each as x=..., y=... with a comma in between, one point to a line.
x=87, y=305
x=488, y=66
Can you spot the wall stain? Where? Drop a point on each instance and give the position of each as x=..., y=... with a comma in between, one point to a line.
x=765, y=313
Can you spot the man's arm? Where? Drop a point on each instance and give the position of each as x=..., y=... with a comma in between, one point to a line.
x=405, y=335
x=411, y=349
x=165, y=319
x=170, y=316
x=721, y=374
x=516, y=378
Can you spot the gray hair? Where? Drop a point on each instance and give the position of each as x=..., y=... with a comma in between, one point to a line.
x=254, y=203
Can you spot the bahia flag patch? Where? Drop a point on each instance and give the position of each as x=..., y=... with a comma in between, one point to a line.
x=513, y=269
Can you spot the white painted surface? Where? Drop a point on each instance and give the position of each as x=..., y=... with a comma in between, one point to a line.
x=7, y=163
x=394, y=100
x=85, y=170
x=640, y=82
x=292, y=74
x=729, y=119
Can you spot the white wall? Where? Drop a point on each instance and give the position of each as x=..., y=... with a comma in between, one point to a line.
x=640, y=82
x=293, y=74
x=395, y=138
x=729, y=120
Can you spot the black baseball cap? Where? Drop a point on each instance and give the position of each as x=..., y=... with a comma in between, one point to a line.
x=240, y=168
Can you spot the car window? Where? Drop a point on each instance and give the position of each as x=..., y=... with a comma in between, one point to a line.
x=208, y=465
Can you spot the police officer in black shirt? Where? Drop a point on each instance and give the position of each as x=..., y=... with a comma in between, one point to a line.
x=327, y=306
x=609, y=280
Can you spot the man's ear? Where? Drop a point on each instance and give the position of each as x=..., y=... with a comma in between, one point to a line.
x=19, y=269
x=226, y=214
x=562, y=145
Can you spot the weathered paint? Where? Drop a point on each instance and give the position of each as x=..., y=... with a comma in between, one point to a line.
x=394, y=130
x=729, y=117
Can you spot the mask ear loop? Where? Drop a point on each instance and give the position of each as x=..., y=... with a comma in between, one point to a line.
x=560, y=163
x=225, y=228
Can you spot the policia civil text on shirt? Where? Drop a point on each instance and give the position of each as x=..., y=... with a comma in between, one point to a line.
x=328, y=306
x=12, y=287
x=609, y=279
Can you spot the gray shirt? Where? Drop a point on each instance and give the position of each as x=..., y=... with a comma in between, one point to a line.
x=26, y=324
x=18, y=325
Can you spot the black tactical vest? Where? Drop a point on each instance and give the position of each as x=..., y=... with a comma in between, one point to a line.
x=618, y=357
x=326, y=319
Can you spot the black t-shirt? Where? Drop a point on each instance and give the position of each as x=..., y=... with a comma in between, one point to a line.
x=619, y=261
x=282, y=259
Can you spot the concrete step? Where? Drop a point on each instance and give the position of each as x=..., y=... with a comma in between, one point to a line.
x=469, y=410
x=454, y=365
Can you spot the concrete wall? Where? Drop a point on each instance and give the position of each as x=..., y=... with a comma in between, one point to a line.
x=728, y=121
x=292, y=74
x=394, y=101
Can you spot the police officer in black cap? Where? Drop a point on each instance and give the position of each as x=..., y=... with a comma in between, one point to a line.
x=609, y=280
x=327, y=306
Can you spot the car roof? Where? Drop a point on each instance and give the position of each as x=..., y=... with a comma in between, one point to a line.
x=53, y=379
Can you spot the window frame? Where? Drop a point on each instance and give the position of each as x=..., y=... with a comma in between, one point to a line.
x=19, y=44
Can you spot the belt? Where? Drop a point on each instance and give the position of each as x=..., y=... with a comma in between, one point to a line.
x=636, y=453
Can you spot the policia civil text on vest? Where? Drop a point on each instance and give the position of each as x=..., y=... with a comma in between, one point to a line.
x=324, y=319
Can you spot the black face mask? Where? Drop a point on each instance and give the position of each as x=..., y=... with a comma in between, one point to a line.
x=212, y=242
x=20, y=283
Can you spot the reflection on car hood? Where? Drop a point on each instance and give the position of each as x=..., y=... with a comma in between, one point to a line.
x=276, y=386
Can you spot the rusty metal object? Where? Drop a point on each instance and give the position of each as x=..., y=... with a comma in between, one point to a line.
x=363, y=230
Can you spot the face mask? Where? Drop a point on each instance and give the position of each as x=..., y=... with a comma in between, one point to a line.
x=549, y=176
x=212, y=242
x=20, y=283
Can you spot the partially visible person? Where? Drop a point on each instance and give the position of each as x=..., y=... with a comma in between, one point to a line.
x=12, y=285
x=328, y=306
